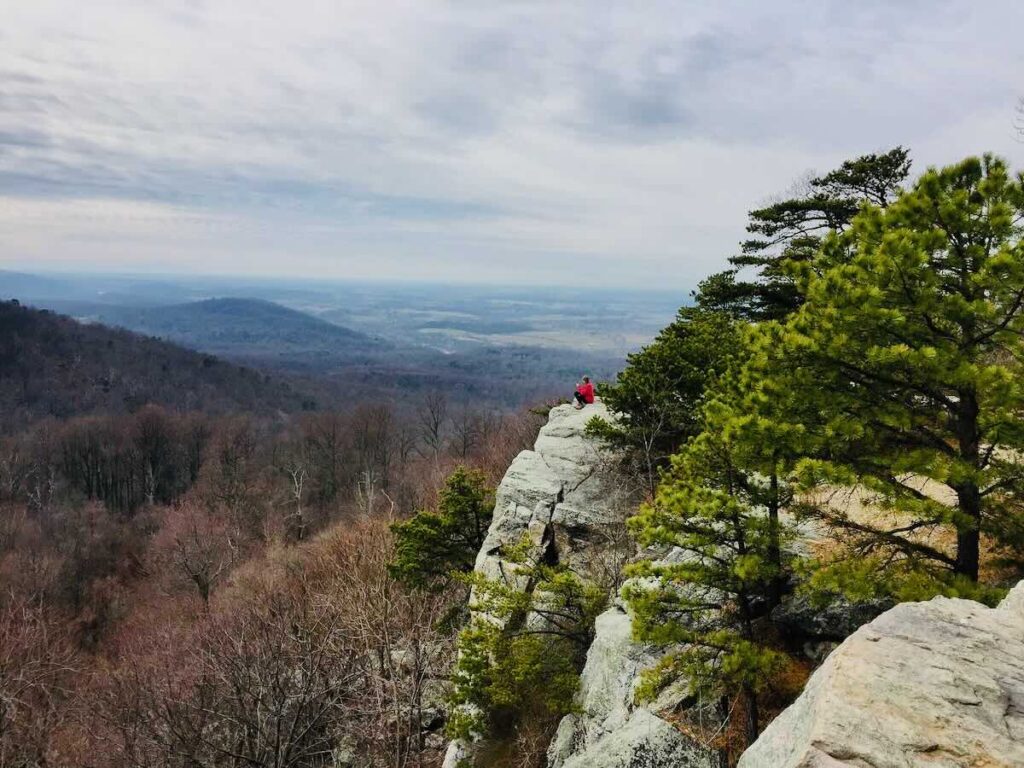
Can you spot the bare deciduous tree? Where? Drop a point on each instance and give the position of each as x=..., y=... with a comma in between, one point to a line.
x=404, y=657
x=203, y=550
x=37, y=662
x=467, y=430
x=325, y=435
x=293, y=667
x=433, y=420
x=233, y=478
x=259, y=686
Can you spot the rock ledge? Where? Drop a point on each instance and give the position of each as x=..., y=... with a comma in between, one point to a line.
x=938, y=684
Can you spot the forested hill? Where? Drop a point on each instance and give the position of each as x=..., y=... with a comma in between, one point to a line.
x=338, y=363
x=246, y=329
x=51, y=365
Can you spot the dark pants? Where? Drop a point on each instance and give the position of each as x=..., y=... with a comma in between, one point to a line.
x=579, y=398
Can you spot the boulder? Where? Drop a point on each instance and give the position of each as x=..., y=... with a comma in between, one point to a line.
x=938, y=684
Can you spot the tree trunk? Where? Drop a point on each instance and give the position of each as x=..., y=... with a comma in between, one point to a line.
x=753, y=717
x=774, y=545
x=723, y=751
x=968, y=539
x=968, y=494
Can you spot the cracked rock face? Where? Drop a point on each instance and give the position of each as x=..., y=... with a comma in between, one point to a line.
x=565, y=498
x=611, y=731
x=931, y=685
x=561, y=495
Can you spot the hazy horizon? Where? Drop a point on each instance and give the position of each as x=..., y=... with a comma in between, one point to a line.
x=524, y=143
x=443, y=316
x=682, y=293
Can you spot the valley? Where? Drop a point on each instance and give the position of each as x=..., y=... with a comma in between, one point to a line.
x=361, y=341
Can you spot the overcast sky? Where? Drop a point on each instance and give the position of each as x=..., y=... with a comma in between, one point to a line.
x=598, y=143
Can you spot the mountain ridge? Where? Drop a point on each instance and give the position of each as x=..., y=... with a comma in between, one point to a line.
x=54, y=366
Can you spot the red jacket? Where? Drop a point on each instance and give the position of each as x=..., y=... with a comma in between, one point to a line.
x=587, y=390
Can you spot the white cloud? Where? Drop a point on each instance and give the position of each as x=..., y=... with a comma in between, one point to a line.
x=569, y=142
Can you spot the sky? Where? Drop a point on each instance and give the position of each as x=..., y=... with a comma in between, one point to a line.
x=553, y=142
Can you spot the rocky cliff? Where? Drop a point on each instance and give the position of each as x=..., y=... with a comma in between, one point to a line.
x=566, y=497
x=929, y=685
x=611, y=731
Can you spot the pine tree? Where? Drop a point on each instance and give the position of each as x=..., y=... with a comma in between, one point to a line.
x=706, y=601
x=765, y=439
x=431, y=546
x=792, y=230
x=657, y=398
x=907, y=352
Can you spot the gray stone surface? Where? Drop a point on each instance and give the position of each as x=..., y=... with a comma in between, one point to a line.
x=564, y=497
x=610, y=729
x=925, y=685
x=562, y=494
x=643, y=741
x=457, y=754
x=607, y=683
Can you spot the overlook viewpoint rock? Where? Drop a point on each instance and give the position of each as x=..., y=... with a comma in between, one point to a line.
x=564, y=495
x=568, y=499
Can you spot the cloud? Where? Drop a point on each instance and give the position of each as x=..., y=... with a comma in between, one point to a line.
x=578, y=142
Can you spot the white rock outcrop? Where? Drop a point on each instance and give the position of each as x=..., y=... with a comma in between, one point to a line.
x=457, y=755
x=562, y=494
x=643, y=741
x=938, y=684
x=566, y=498
x=611, y=731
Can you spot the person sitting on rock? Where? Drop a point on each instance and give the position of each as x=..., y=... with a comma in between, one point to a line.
x=584, y=393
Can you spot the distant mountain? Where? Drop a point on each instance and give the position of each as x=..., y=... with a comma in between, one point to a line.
x=354, y=366
x=252, y=330
x=428, y=350
x=51, y=365
x=18, y=285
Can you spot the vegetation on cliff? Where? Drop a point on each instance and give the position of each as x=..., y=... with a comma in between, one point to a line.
x=433, y=546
